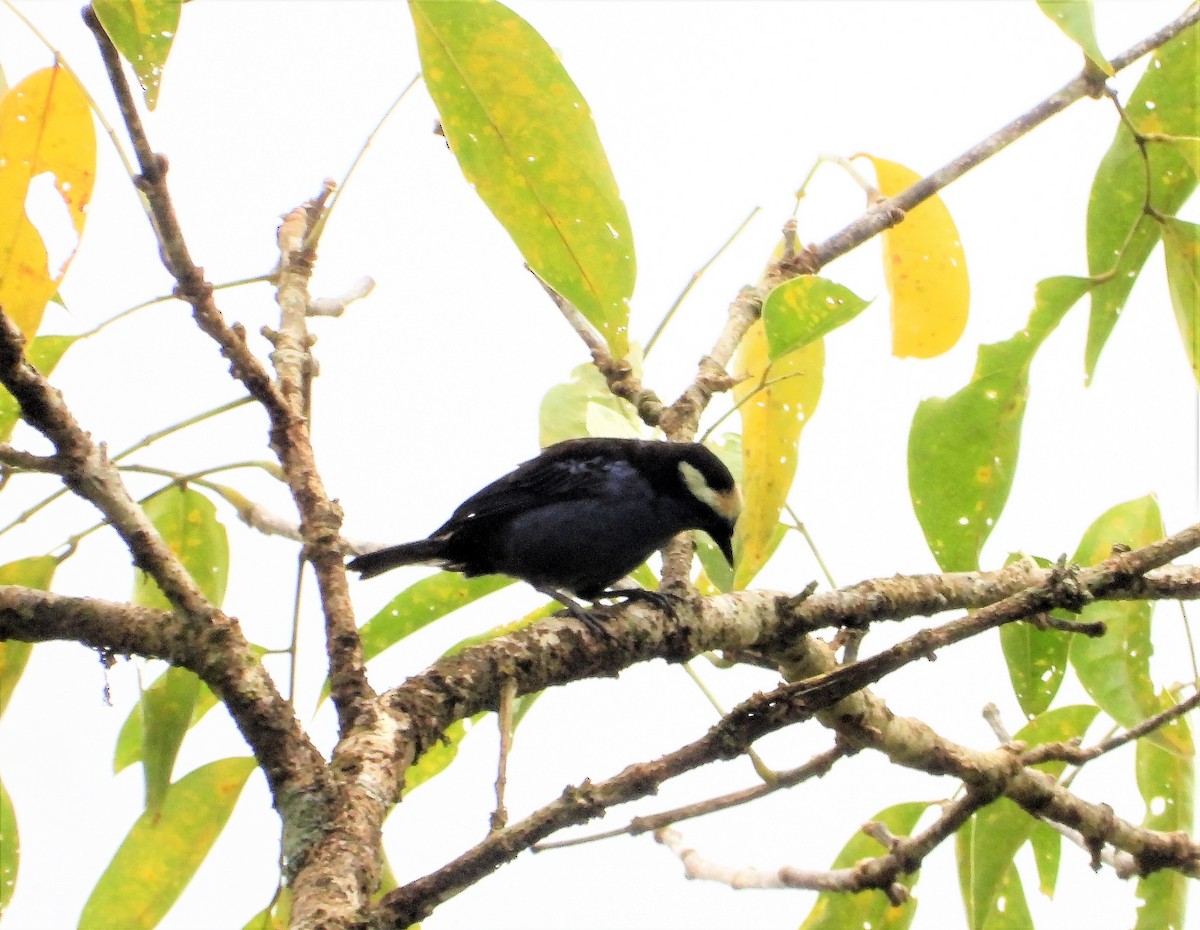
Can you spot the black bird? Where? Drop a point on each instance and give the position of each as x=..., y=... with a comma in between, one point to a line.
x=579, y=517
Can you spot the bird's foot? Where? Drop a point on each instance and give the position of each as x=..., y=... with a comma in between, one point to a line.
x=660, y=599
x=592, y=619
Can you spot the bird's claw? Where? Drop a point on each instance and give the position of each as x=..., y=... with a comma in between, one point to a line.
x=661, y=599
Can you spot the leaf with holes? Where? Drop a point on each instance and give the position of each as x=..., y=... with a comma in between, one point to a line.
x=1167, y=783
x=142, y=31
x=962, y=449
x=45, y=127
x=1115, y=668
x=987, y=843
x=804, y=309
x=1120, y=235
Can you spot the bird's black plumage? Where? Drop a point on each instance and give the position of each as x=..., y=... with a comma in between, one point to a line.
x=579, y=517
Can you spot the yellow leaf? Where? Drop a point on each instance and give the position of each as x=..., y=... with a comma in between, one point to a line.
x=45, y=127
x=772, y=418
x=925, y=270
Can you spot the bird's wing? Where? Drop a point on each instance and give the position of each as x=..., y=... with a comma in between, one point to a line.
x=540, y=481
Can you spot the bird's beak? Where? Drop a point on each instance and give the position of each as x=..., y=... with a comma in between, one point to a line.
x=725, y=544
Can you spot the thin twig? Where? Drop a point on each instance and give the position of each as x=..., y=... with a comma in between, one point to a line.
x=816, y=767
x=694, y=280
x=504, y=722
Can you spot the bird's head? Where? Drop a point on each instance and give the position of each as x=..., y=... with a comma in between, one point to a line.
x=710, y=482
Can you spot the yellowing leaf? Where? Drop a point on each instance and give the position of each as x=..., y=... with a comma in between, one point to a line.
x=142, y=31
x=772, y=418
x=925, y=270
x=162, y=851
x=45, y=127
x=524, y=137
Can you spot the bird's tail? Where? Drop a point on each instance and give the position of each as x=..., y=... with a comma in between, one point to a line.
x=421, y=552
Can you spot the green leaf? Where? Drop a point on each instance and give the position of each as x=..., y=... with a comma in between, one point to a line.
x=131, y=738
x=142, y=31
x=439, y=756
x=420, y=604
x=962, y=449
x=1037, y=662
x=187, y=522
x=166, y=710
x=1036, y=659
x=162, y=851
x=804, y=309
x=43, y=353
x=1074, y=18
x=1167, y=782
x=275, y=916
x=1115, y=668
x=523, y=136
x=1181, y=250
x=1047, y=854
x=35, y=572
x=1120, y=236
x=578, y=407
x=988, y=842
x=837, y=911
x=10, y=848
x=1010, y=909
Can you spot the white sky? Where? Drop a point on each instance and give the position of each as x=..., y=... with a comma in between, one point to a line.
x=429, y=389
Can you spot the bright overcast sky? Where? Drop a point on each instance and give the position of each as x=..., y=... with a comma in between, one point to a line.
x=430, y=388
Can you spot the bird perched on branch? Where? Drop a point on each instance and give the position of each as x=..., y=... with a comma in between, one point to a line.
x=580, y=517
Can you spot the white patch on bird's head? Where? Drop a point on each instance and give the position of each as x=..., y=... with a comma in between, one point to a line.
x=727, y=504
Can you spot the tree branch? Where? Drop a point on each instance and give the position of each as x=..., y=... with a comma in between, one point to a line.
x=320, y=518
